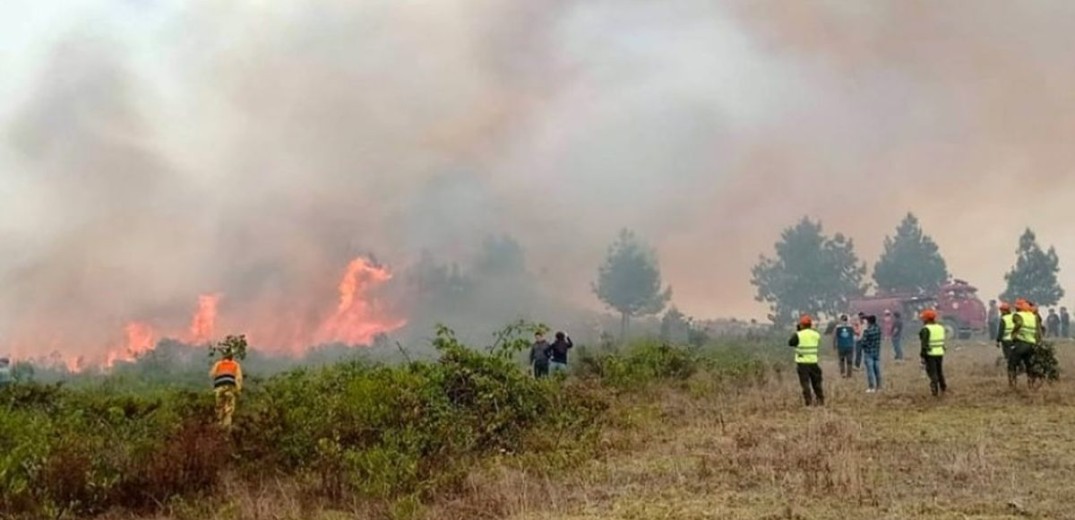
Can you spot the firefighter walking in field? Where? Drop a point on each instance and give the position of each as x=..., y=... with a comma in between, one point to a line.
x=1005, y=330
x=932, y=336
x=1026, y=335
x=227, y=378
x=807, y=344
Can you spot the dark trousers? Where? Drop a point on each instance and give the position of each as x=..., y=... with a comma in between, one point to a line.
x=858, y=355
x=541, y=370
x=935, y=371
x=1020, y=356
x=846, y=356
x=1006, y=348
x=810, y=379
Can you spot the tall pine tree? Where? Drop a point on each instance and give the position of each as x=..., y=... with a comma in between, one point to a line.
x=1034, y=274
x=911, y=262
x=811, y=273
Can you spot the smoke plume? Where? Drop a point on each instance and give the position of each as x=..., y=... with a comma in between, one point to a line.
x=247, y=154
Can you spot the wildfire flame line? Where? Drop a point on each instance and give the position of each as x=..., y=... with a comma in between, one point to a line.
x=355, y=320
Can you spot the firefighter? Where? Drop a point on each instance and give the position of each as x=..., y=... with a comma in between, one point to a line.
x=807, y=344
x=227, y=378
x=1026, y=335
x=1004, y=332
x=932, y=337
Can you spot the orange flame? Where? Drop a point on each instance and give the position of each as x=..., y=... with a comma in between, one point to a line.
x=356, y=321
x=140, y=339
x=203, y=325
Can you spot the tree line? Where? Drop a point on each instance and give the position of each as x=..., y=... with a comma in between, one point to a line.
x=815, y=273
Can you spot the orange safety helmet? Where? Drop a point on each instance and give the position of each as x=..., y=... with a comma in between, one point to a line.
x=1022, y=305
x=805, y=320
x=929, y=315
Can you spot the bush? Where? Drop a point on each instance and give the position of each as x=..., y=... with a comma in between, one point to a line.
x=392, y=435
x=386, y=433
x=647, y=362
x=1043, y=362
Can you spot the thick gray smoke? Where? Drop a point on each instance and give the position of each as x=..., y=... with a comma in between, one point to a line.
x=253, y=150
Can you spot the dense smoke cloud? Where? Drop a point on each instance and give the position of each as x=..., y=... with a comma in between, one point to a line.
x=254, y=150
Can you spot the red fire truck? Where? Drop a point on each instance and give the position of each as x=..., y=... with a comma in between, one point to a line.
x=957, y=304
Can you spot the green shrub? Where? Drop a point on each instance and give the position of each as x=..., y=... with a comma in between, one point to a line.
x=395, y=435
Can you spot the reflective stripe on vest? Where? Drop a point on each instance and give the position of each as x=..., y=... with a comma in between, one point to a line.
x=224, y=380
x=1028, y=333
x=809, y=341
x=1008, y=322
x=225, y=373
x=936, y=340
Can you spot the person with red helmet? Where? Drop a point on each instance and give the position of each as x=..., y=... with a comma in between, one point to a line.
x=932, y=336
x=807, y=344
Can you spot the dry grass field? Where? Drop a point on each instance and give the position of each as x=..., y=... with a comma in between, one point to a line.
x=687, y=450
x=984, y=451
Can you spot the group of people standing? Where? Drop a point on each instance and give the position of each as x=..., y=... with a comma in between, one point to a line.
x=1018, y=334
x=860, y=344
x=548, y=357
x=1053, y=325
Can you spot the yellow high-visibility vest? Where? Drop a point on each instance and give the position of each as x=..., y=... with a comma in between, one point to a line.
x=1028, y=333
x=936, y=340
x=809, y=342
x=1008, y=322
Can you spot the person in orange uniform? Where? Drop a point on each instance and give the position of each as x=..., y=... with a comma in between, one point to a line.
x=227, y=378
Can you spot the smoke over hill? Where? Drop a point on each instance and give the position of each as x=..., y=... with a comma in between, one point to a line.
x=254, y=152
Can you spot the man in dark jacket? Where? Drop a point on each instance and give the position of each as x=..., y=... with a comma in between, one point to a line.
x=870, y=344
x=897, y=335
x=539, y=356
x=1065, y=323
x=558, y=352
x=993, y=318
x=1052, y=324
x=860, y=329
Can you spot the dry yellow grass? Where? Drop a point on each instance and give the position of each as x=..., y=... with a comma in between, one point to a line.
x=983, y=451
x=691, y=451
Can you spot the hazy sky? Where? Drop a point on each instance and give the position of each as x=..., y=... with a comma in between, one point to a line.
x=154, y=150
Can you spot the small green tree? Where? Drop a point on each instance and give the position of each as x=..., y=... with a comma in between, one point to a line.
x=231, y=345
x=911, y=262
x=675, y=326
x=1034, y=275
x=629, y=281
x=811, y=274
